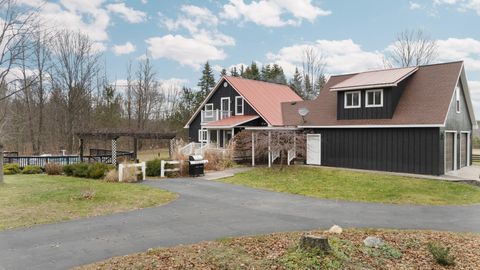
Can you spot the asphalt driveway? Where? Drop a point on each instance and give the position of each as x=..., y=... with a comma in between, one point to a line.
x=208, y=210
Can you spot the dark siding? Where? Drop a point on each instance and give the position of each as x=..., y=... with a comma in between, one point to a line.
x=411, y=150
x=391, y=96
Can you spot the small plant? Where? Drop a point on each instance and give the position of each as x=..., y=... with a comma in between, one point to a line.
x=111, y=177
x=68, y=169
x=97, y=170
x=9, y=169
x=390, y=252
x=80, y=170
x=87, y=194
x=153, y=167
x=32, y=169
x=441, y=254
x=53, y=169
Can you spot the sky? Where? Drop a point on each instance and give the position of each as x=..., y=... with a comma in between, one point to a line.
x=180, y=36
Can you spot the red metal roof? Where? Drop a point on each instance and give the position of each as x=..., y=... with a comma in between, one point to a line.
x=376, y=78
x=266, y=98
x=232, y=121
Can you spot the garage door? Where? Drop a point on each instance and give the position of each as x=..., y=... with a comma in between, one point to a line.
x=463, y=149
x=449, y=151
x=314, y=149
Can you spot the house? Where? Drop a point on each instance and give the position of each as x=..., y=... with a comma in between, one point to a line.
x=236, y=103
x=413, y=120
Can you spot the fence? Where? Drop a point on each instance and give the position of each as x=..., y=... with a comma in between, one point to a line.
x=23, y=161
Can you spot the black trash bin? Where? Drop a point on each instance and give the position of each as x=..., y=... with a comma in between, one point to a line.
x=196, y=165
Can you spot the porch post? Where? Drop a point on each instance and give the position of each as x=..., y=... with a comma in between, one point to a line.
x=218, y=138
x=269, y=149
x=208, y=136
x=114, y=151
x=253, y=148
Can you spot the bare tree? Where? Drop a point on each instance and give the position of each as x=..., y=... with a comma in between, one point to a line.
x=313, y=63
x=145, y=93
x=129, y=95
x=411, y=48
x=73, y=73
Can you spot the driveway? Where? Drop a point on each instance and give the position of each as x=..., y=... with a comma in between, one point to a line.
x=208, y=210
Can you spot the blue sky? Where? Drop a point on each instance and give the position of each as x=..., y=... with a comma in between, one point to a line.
x=353, y=35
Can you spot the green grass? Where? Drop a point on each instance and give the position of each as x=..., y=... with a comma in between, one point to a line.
x=358, y=186
x=27, y=200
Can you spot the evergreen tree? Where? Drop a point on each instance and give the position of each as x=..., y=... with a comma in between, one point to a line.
x=234, y=72
x=319, y=83
x=223, y=72
x=252, y=72
x=242, y=71
x=207, y=81
x=276, y=75
x=307, y=87
x=296, y=83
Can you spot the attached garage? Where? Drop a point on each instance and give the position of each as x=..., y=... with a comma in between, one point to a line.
x=450, y=151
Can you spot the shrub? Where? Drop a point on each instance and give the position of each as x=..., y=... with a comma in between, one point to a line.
x=9, y=169
x=68, y=169
x=441, y=254
x=32, y=169
x=111, y=177
x=80, y=170
x=53, y=169
x=153, y=167
x=130, y=175
x=97, y=170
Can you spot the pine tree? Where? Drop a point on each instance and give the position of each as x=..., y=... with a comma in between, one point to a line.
x=234, y=72
x=319, y=83
x=242, y=71
x=276, y=75
x=307, y=87
x=223, y=72
x=296, y=83
x=207, y=81
x=252, y=72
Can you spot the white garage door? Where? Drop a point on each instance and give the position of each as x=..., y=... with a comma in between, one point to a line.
x=314, y=149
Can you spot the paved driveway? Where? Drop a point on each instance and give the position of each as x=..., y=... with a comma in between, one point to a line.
x=208, y=210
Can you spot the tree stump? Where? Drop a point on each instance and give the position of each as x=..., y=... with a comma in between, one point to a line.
x=313, y=241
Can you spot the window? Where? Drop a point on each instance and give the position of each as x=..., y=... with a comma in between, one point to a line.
x=239, y=105
x=209, y=110
x=224, y=107
x=457, y=99
x=352, y=99
x=374, y=98
x=202, y=135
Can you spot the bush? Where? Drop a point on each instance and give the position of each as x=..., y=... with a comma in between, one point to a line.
x=153, y=167
x=9, y=169
x=97, y=170
x=441, y=254
x=32, y=169
x=53, y=169
x=68, y=169
x=111, y=177
x=81, y=170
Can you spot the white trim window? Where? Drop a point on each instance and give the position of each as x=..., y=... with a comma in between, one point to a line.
x=457, y=99
x=224, y=112
x=374, y=98
x=239, y=104
x=202, y=135
x=209, y=110
x=352, y=99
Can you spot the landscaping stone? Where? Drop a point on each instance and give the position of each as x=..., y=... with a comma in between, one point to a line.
x=335, y=229
x=314, y=241
x=372, y=241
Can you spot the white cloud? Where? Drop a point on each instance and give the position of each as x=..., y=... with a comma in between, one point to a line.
x=273, y=13
x=127, y=13
x=341, y=56
x=414, y=6
x=461, y=5
x=455, y=49
x=475, y=95
x=126, y=48
x=186, y=51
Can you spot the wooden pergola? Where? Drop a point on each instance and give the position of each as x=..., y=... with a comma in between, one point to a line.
x=113, y=136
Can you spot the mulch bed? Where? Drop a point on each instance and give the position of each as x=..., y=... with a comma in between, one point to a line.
x=280, y=251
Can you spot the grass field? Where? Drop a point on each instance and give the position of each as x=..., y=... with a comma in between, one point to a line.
x=146, y=155
x=27, y=200
x=401, y=250
x=358, y=186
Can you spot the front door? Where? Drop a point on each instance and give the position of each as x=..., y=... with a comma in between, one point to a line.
x=314, y=149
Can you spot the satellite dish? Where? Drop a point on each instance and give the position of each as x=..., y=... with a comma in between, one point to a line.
x=303, y=112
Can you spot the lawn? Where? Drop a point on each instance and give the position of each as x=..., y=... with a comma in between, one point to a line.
x=401, y=250
x=146, y=155
x=27, y=200
x=358, y=186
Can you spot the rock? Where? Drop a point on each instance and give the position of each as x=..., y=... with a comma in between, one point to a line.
x=313, y=241
x=372, y=241
x=335, y=229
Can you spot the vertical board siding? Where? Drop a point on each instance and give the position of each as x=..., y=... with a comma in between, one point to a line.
x=411, y=150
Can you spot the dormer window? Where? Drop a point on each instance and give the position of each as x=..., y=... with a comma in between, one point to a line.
x=457, y=99
x=374, y=98
x=352, y=99
x=239, y=105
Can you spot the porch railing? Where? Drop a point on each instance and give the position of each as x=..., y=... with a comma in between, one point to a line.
x=214, y=115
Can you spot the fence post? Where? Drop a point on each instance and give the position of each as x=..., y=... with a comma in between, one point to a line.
x=162, y=168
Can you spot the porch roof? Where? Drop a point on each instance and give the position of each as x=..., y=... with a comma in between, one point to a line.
x=230, y=122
